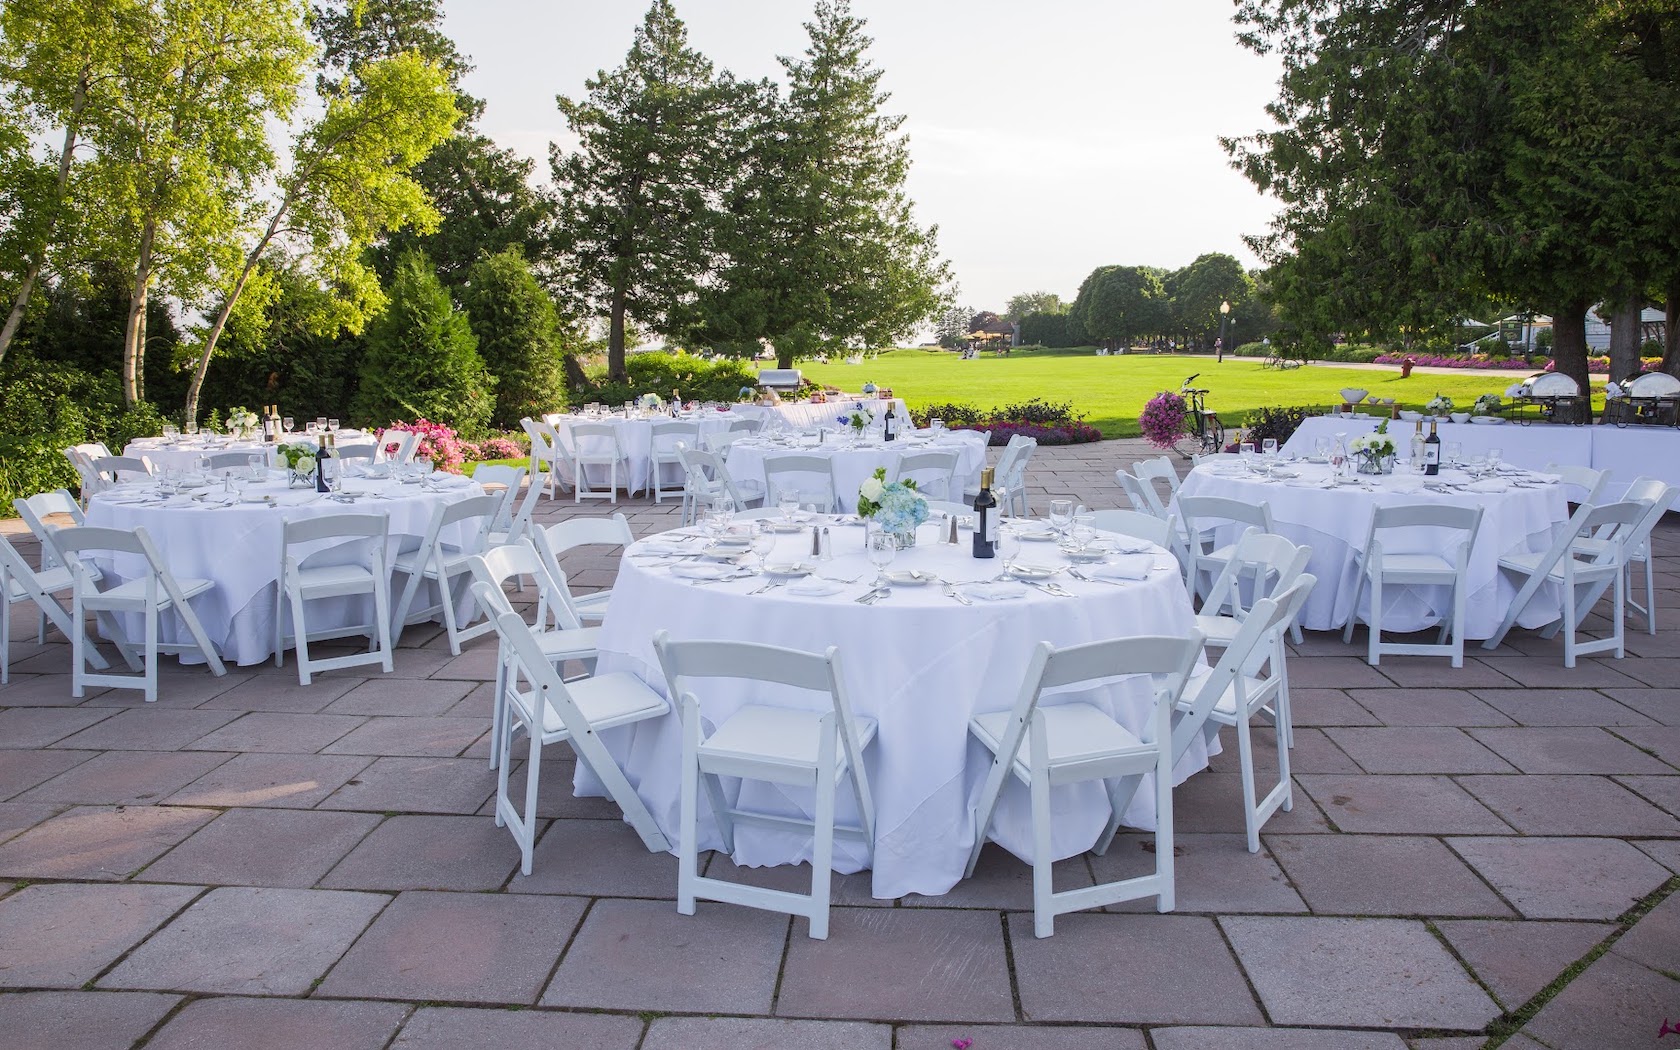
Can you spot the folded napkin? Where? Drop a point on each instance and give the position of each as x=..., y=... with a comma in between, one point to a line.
x=814, y=587
x=1124, y=567
x=127, y=497
x=445, y=480
x=1488, y=485
x=665, y=547
x=1000, y=590
x=702, y=570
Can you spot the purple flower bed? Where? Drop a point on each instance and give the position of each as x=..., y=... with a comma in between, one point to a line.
x=1066, y=434
x=1516, y=364
x=1600, y=366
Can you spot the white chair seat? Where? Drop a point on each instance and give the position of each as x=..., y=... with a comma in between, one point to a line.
x=1225, y=708
x=1427, y=564
x=134, y=591
x=1530, y=563
x=591, y=606
x=50, y=579
x=324, y=577
x=454, y=562
x=576, y=642
x=606, y=700
x=779, y=736
x=1218, y=629
x=1073, y=732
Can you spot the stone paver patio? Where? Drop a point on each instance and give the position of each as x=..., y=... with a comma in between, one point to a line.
x=1474, y=856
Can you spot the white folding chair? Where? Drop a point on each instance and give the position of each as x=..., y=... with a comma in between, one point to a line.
x=934, y=473
x=1000, y=474
x=523, y=511
x=20, y=583
x=1658, y=496
x=746, y=427
x=810, y=475
x=575, y=713
x=719, y=443
x=566, y=640
x=1582, y=576
x=148, y=596
x=1149, y=472
x=708, y=478
x=494, y=474
x=1586, y=478
x=562, y=536
x=403, y=442
x=441, y=562
x=805, y=750
x=1045, y=746
x=361, y=452
x=91, y=483
x=665, y=439
x=596, y=445
x=1140, y=525
x=113, y=468
x=941, y=506
x=36, y=512
x=1135, y=491
x=546, y=449
x=230, y=460
x=1015, y=478
x=302, y=582
x=1249, y=679
x=1447, y=564
x=1202, y=516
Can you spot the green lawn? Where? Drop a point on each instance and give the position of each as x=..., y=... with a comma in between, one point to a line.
x=1111, y=391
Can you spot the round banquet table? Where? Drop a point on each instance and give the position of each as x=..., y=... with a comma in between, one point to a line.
x=850, y=465
x=920, y=664
x=238, y=547
x=1520, y=513
x=824, y=414
x=635, y=438
x=184, y=455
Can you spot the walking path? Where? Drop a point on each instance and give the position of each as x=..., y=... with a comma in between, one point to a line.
x=1476, y=856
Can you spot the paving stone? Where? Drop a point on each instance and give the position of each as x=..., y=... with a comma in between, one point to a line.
x=1211, y=873
x=849, y=890
x=46, y=690
x=1559, y=878
x=419, y=736
x=1019, y=1037
x=1570, y=805
x=264, y=847
x=1657, y=705
x=1590, y=672
x=1211, y=803
x=1326, y=707
x=766, y=1033
x=249, y=941
x=1658, y=671
x=1561, y=707
x=555, y=797
x=1664, y=851
x=1425, y=707
x=149, y=729
x=283, y=781
x=96, y=842
x=633, y=954
x=1129, y=969
x=1000, y=881
x=279, y=733
x=126, y=778
x=79, y=1020
x=597, y=858
x=417, y=785
x=1422, y=672
x=473, y=665
x=1418, y=749
x=1273, y=1038
x=1335, y=672
x=1402, y=805
x=1662, y=741
x=477, y=704
x=281, y=693
x=1654, y=940
x=1515, y=960
x=466, y=854
x=395, y=696
x=457, y=947
x=1616, y=1002
x=33, y=727
x=1381, y=875
x=1662, y=790
x=22, y=770
x=179, y=687
x=17, y=817
x=279, y=1024
x=62, y=935
x=1356, y=973
x=451, y=1028
x=1585, y=749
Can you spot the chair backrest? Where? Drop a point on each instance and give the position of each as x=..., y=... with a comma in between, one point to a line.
x=484, y=508
x=405, y=442
x=665, y=436
x=580, y=532
x=524, y=653
x=1205, y=512
x=72, y=542
x=1024, y=448
x=805, y=473
x=719, y=443
x=1272, y=563
x=1656, y=496
x=932, y=471
x=520, y=560
x=1137, y=524
x=1592, y=481
x=940, y=506
x=92, y=450
x=1159, y=469
x=36, y=509
x=527, y=508
x=114, y=466
x=1413, y=516
x=367, y=530
x=707, y=472
x=683, y=662
x=509, y=478
x=364, y=450
x=746, y=426
x=596, y=441
x=225, y=460
x=1137, y=493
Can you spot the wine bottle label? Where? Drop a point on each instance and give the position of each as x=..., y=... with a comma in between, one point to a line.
x=988, y=524
x=1432, y=453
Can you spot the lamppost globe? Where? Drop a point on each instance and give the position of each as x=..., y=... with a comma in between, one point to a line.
x=1224, y=314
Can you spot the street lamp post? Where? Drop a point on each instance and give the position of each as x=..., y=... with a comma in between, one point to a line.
x=1224, y=315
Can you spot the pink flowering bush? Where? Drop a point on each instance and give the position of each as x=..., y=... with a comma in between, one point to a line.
x=437, y=442
x=1165, y=419
x=501, y=448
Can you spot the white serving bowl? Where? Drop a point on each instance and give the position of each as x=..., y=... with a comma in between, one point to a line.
x=1353, y=394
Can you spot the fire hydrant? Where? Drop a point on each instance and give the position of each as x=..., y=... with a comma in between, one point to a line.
x=1406, y=367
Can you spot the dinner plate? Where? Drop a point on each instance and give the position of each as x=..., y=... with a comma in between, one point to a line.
x=701, y=571
x=1038, y=535
x=788, y=570
x=1088, y=554
x=1031, y=572
x=786, y=526
x=910, y=577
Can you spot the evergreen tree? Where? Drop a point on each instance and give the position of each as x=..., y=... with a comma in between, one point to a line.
x=422, y=358
x=519, y=336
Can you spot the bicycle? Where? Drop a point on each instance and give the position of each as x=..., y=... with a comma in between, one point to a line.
x=1206, y=427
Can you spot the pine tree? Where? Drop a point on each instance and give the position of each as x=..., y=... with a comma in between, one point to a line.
x=519, y=336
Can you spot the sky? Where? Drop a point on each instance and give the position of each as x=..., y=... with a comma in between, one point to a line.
x=1047, y=137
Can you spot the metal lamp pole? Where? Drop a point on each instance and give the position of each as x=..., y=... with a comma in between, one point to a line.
x=1224, y=315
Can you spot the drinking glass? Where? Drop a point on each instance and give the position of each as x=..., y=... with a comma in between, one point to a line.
x=1082, y=532
x=936, y=425
x=236, y=483
x=763, y=542
x=1494, y=455
x=1269, y=446
x=287, y=423
x=719, y=511
x=882, y=550
x=1061, y=514
x=1454, y=452
x=192, y=428
x=787, y=501
x=258, y=467
x=170, y=433
x=1008, y=546
x=332, y=424
x=1246, y=448
x=320, y=422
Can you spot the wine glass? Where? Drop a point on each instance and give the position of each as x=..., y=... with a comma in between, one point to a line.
x=936, y=425
x=332, y=424
x=258, y=467
x=1061, y=515
x=170, y=433
x=1321, y=449
x=287, y=423
x=763, y=542
x=236, y=482
x=1493, y=459
x=192, y=428
x=719, y=511
x=787, y=501
x=882, y=550
x=1454, y=453
x=1008, y=546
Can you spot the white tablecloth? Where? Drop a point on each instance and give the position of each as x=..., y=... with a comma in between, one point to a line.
x=918, y=662
x=851, y=465
x=184, y=456
x=826, y=414
x=239, y=548
x=1336, y=521
x=1628, y=452
x=635, y=439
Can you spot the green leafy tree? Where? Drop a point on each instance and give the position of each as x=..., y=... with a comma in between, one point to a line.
x=1119, y=303
x=1053, y=330
x=519, y=336
x=636, y=209
x=353, y=33
x=952, y=325
x=1199, y=288
x=1040, y=302
x=422, y=358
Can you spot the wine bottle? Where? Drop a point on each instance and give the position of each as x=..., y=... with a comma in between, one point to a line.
x=321, y=457
x=1432, y=452
x=889, y=428
x=985, y=518
x=1417, y=445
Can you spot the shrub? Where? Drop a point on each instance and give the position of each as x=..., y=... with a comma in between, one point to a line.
x=657, y=372
x=437, y=442
x=1516, y=364
x=1273, y=421
x=519, y=336
x=1599, y=366
x=1051, y=424
x=954, y=415
x=44, y=409
x=498, y=448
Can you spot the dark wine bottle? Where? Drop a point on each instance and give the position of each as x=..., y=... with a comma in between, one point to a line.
x=985, y=518
x=889, y=427
x=323, y=454
x=1432, y=451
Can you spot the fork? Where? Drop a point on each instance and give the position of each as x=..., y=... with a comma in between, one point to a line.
x=952, y=592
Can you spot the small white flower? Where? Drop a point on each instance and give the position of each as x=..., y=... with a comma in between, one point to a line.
x=305, y=464
x=871, y=490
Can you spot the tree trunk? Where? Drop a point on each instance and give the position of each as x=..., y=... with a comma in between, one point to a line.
x=19, y=304
x=220, y=323
x=615, y=338
x=1671, y=331
x=1625, y=338
x=575, y=379
x=1569, y=349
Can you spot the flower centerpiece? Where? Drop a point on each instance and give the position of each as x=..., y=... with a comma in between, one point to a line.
x=650, y=403
x=896, y=507
x=858, y=418
x=745, y=395
x=300, y=462
x=1439, y=406
x=1487, y=404
x=1165, y=419
x=241, y=421
x=1373, y=453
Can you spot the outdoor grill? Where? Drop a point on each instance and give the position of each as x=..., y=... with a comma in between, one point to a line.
x=780, y=379
x=1550, y=391
x=1653, y=397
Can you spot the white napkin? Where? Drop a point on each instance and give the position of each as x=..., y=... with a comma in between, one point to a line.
x=1488, y=485
x=1124, y=567
x=1001, y=590
x=446, y=480
x=665, y=547
x=702, y=570
x=814, y=587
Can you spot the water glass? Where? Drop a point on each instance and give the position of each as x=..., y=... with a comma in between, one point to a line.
x=763, y=542
x=1082, y=532
x=1321, y=449
x=936, y=425
x=258, y=467
x=1494, y=456
x=882, y=550
x=287, y=424
x=1008, y=545
x=236, y=483
x=1269, y=446
x=332, y=424
x=720, y=510
x=1454, y=453
x=192, y=428
x=1061, y=514
x=320, y=422
x=170, y=433
x=787, y=501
